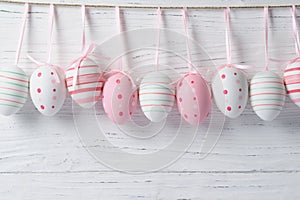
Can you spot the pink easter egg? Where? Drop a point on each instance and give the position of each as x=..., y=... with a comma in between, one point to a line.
x=89, y=84
x=193, y=98
x=119, y=97
x=47, y=89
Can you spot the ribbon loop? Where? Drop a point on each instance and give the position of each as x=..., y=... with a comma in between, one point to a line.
x=158, y=38
x=185, y=22
x=228, y=36
x=21, y=37
x=295, y=30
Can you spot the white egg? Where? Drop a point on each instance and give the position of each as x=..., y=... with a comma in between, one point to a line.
x=230, y=91
x=156, y=96
x=89, y=84
x=13, y=90
x=48, y=89
x=267, y=95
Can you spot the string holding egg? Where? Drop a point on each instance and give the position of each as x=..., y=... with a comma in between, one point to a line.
x=47, y=84
x=156, y=92
x=193, y=94
x=13, y=80
x=84, y=78
x=120, y=96
x=267, y=91
x=230, y=84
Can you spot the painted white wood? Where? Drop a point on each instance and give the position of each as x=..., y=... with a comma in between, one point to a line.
x=43, y=158
x=169, y=3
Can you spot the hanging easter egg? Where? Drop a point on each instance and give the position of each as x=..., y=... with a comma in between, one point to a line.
x=89, y=83
x=292, y=81
x=119, y=97
x=13, y=90
x=157, y=96
x=230, y=90
x=267, y=95
x=193, y=98
x=47, y=89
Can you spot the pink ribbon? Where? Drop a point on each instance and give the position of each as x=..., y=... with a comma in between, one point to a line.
x=119, y=27
x=83, y=11
x=295, y=30
x=158, y=38
x=297, y=42
x=51, y=20
x=47, y=63
x=228, y=46
x=21, y=37
x=185, y=23
x=266, y=12
x=85, y=52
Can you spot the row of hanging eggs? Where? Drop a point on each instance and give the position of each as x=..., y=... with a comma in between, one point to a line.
x=156, y=93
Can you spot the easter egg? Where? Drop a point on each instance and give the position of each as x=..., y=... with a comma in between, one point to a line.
x=157, y=96
x=13, y=90
x=230, y=90
x=292, y=81
x=193, y=98
x=47, y=89
x=267, y=95
x=119, y=97
x=88, y=88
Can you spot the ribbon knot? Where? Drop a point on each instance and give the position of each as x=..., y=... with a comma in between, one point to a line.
x=84, y=56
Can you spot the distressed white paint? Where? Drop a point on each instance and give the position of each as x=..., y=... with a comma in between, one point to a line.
x=43, y=158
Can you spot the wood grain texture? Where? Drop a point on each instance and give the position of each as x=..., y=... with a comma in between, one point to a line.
x=43, y=158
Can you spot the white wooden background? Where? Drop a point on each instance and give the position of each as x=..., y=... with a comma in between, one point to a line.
x=43, y=158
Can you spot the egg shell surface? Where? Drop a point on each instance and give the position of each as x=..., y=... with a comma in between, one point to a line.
x=267, y=95
x=157, y=96
x=119, y=98
x=48, y=89
x=89, y=84
x=193, y=98
x=230, y=91
x=13, y=90
x=292, y=81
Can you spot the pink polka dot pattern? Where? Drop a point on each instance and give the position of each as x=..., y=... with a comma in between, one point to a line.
x=42, y=92
x=89, y=85
x=230, y=91
x=120, y=98
x=193, y=98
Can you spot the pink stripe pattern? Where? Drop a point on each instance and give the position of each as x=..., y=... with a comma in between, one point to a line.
x=292, y=81
x=89, y=85
x=267, y=95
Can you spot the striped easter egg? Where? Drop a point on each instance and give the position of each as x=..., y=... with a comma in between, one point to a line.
x=13, y=90
x=267, y=95
x=156, y=96
x=89, y=85
x=292, y=81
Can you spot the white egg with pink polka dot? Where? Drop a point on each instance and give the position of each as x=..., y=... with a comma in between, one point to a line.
x=48, y=89
x=230, y=91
